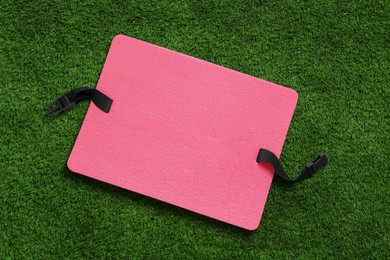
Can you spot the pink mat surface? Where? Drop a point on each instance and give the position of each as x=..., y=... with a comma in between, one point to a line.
x=184, y=131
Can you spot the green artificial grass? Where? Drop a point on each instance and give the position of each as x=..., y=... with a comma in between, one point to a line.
x=333, y=53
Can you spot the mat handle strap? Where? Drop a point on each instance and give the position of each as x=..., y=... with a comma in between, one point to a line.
x=69, y=99
x=310, y=169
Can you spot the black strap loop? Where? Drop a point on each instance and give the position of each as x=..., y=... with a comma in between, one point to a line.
x=310, y=169
x=69, y=99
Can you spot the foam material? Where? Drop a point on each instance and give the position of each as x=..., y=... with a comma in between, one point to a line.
x=184, y=131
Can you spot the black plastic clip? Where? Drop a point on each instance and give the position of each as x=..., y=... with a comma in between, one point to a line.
x=315, y=165
x=59, y=105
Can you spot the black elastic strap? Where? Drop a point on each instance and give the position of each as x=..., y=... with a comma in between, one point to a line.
x=69, y=99
x=311, y=168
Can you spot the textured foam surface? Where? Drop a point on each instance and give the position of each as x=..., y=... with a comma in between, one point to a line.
x=184, y=131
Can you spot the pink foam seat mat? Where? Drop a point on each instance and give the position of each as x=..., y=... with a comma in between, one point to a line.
x=184, y=131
